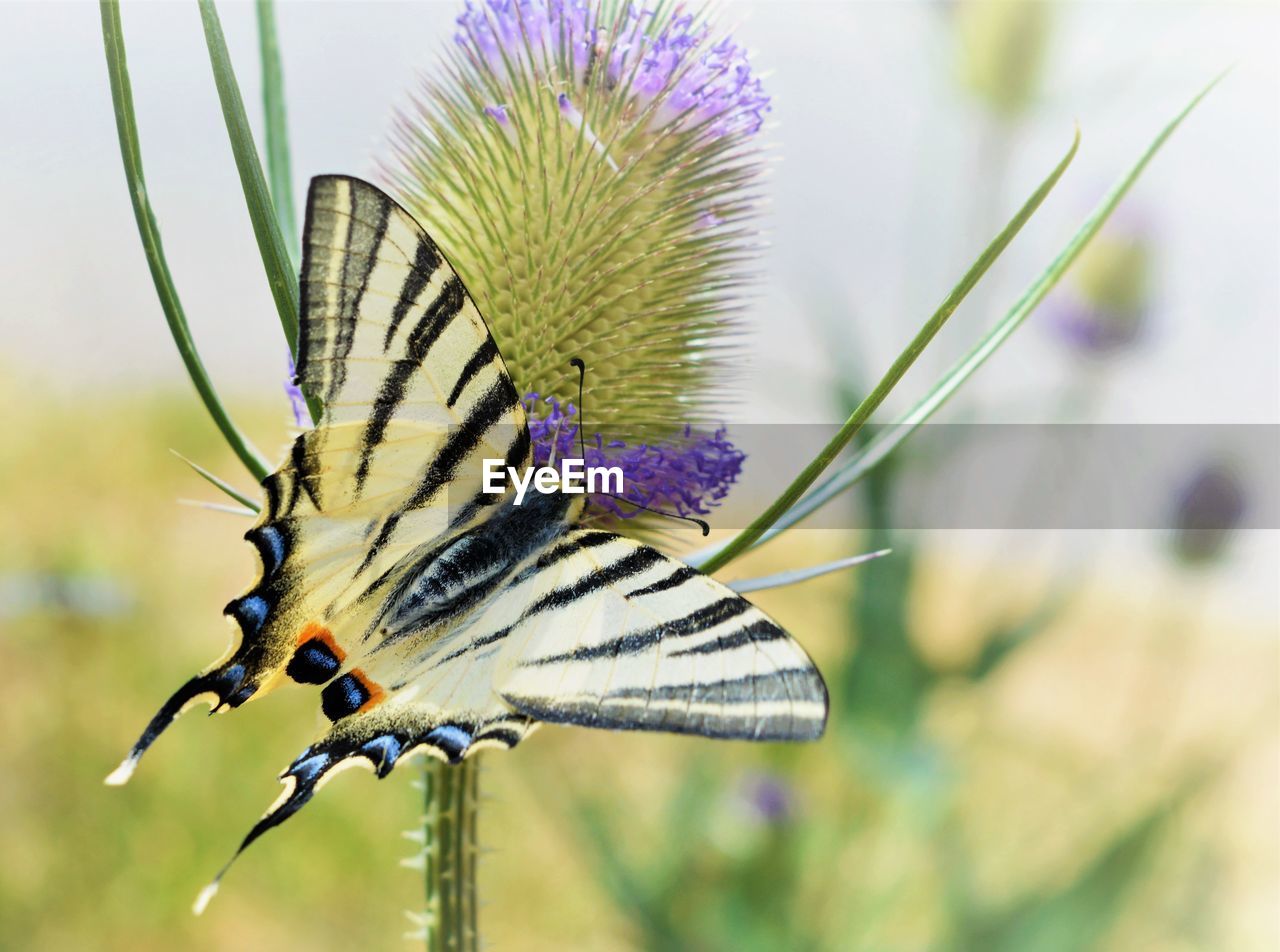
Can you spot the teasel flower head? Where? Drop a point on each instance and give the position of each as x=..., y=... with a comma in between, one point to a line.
x=592, y=172
x=1209, y=507
x=1102, y=307
x=1002, y=51
x=685, y=474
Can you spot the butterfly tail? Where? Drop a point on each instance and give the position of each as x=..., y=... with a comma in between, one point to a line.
x=219, y=686
x=301, y=781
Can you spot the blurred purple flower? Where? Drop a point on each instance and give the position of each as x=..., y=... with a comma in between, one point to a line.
x=1103, y=305
x=297, y=402
x=1209, y=507
x=768, y=798
x=671, y=60
x=685, y=476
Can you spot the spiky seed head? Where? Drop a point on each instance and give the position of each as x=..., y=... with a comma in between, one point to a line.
x=1103, y=306
x=591, y=172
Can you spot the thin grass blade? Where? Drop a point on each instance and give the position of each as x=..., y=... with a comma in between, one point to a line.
x=276, y=129
x=795, y=576
x=276, y=262
x=220, y=483
x=879, y=448
x=217, y=507
x=149, y=232
x=862, y=413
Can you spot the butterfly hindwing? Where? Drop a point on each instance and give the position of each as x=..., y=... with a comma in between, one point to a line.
x=624, y=637
x=592, y=629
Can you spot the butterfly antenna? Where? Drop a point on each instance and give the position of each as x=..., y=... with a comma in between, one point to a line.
x=582, y=448
x=582, y=376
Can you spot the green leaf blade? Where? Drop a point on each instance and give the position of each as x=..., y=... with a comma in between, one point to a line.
x=753, y=533
x=276, y=262
x=149, y=233
x=275, y=124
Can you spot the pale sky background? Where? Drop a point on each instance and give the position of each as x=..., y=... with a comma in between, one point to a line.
x=876, y=200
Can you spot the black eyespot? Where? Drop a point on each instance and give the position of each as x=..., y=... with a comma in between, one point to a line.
x=313, y=663
x=343, y=697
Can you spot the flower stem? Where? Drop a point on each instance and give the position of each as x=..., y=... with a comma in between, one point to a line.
x=452, y=807
x=149, y=232
x=862, y=413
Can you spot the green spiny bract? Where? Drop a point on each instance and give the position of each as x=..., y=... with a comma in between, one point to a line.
x=591, y=173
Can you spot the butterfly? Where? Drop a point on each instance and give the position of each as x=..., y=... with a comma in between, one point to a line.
x=434, y=614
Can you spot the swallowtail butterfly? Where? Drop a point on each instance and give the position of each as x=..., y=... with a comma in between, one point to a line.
x=433, y=616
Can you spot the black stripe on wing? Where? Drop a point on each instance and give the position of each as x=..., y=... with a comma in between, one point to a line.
x=660, y=708
x=368, y=214
x=561, y=550
x=433, y=323
x=485, y=414
x=632, y=643
x=426, y=259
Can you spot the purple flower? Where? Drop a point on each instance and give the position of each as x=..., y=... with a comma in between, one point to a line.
x=685, y=476
x=1103, y=305
x=767, y=798
x=671, y=61
x=1210, y=506
x=297, y=402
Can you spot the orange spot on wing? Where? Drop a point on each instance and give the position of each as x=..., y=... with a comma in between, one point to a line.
x=376, y=693
x=315, y=631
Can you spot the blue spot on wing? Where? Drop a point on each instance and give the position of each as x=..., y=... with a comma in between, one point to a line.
x=313, y=663
x=451, y=739
x=250, y=611
x=274, y=541
x=343, y=697
x=383, y=752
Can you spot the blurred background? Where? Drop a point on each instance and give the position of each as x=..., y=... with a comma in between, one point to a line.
x=1044, y=736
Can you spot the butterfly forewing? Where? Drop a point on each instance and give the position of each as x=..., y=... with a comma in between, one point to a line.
x=415, y=395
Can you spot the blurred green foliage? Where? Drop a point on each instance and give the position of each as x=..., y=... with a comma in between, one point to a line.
x=900, y=830
x=782, y=879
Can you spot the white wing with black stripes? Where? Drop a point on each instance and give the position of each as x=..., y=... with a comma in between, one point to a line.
x=430, y=614
x=627, y=638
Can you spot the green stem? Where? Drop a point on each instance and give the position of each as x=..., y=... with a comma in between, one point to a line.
x=279, y=168
x=281, y=276
x=149, y=232
x=750, y=535
x=452, y=808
